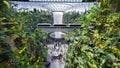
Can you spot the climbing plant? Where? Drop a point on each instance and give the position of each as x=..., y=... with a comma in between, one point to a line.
x=97, y=43
x=70, y=17
x=20, y=45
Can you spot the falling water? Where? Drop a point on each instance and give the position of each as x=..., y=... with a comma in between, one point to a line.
x=57, y=63
x=58, y=18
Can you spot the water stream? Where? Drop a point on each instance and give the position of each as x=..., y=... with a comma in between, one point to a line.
x=58, y=18
x=57, y=50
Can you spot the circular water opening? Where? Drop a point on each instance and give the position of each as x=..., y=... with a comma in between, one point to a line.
x=57, y=35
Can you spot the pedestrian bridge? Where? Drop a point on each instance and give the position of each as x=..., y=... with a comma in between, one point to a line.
x=58, y=27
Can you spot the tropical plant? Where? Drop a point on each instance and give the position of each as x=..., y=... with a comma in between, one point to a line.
x=97, y=43
x=70, y=17
x=20, y=45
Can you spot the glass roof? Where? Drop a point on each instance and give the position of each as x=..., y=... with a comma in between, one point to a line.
x=58, y=0
x=67, y=1
x=64, y=7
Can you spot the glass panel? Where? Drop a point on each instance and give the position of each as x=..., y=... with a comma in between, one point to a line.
x=64, y=7
x=51, y=0
x=58, y=0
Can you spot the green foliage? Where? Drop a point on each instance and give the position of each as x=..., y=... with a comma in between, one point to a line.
x=70, y=17
x=20, y=45
x=97, y=43
x=113, y=4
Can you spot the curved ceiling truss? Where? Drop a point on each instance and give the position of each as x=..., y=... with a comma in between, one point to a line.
x=64, y=7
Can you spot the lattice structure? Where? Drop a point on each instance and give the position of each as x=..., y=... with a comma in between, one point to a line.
x=58, y=1
x=71, y=1
x=64, y=7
